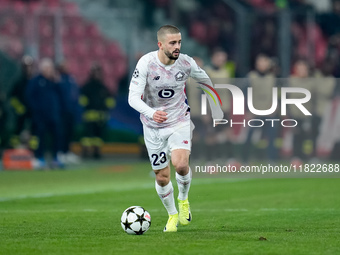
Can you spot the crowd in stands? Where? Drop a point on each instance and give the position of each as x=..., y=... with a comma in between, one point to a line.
x=313, y=138
x=47, y=105
x=211, y=23
x=33, y=26
x=49, y=99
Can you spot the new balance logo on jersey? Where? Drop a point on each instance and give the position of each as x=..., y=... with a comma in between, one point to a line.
x=156, y=78
x=179, y=76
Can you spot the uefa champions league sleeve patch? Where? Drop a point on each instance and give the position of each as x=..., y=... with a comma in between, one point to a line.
x=135, y=73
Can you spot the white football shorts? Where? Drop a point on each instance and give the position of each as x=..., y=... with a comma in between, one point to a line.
x=161, y=141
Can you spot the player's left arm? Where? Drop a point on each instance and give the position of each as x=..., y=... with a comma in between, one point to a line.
x=202, y=78
x=136, y=90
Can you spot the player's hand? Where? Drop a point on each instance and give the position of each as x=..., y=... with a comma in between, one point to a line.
x=160, y=116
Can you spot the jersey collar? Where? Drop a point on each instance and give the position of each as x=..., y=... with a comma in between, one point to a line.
x=161, y=64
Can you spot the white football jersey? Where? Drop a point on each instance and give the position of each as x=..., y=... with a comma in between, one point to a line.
x=163, y=86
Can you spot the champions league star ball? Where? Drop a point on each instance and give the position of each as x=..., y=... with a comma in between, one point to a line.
x=135, y=220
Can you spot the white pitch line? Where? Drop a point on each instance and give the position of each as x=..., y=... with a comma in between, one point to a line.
x=128, y=187
x=44, y=195
x=85, y=192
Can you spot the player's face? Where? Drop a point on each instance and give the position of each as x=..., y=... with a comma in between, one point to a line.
x=172, y=45
x=301, y=69
x=262, y=64
x=48, y=71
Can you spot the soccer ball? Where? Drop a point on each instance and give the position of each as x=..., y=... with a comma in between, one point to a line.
x=135, y=220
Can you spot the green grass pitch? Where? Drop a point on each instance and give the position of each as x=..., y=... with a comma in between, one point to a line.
x=78, y=212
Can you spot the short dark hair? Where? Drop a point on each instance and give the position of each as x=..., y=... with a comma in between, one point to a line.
x=167, y=29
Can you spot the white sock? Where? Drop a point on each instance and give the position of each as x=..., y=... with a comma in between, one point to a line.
x=183, y=183
x=166, y=194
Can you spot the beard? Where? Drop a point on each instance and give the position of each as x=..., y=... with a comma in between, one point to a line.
x=170, y=55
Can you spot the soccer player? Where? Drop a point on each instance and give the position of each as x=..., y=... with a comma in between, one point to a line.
x=157, y=92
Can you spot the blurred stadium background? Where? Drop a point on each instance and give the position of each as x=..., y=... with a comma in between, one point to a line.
x=115, y=33
x=78, y=211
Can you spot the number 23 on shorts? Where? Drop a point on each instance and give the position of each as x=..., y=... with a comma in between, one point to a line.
x=157, y=159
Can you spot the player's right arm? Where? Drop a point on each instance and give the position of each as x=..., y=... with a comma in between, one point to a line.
x=136, y=90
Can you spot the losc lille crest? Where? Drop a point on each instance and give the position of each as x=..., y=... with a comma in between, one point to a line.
x=179, y=76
